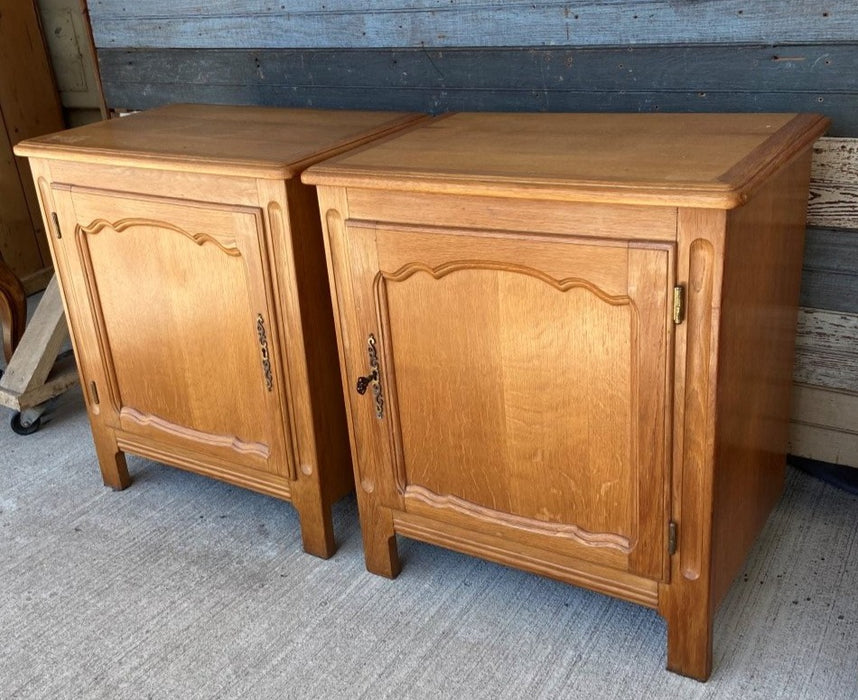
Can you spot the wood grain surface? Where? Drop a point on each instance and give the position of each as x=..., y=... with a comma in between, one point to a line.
x=694, y=160
x=248, y=141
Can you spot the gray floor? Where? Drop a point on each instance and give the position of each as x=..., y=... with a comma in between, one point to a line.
x=183, y=587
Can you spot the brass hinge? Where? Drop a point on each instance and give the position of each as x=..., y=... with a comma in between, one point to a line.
x=56, y=221
x=678, y=304
x=671, y=538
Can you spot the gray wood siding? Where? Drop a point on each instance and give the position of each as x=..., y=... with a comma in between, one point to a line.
x=827, y=349
x=830, y=275
x=452, y=23
x=667, y=78
x=479, y=55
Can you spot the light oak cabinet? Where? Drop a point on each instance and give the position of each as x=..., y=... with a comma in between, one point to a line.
x=192, y=270
x=566, y=343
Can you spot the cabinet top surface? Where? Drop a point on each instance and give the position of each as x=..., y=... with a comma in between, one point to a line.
x=705, y=160
x=237, y=140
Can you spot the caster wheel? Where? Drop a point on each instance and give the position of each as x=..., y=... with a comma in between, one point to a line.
x=21, y=429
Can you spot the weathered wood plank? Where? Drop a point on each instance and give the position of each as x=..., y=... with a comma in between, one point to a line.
x=828, y=331
x=836, y=410
x=824, y=425
x=830, y=275
x=843, y=110
x=825, y=397
x=443, y=23
x=830, y=291
x=831, y=250
x=631, y=79
x=835, y=160
x=827, y=350
x=791, y=69
x=69, y=42
x=823, y=444
x=834, y=184
x=833, y=205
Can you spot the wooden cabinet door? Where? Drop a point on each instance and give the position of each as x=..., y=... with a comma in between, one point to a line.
x=523, y=385
x=174, y=325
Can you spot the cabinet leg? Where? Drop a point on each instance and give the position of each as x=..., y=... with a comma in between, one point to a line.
x=379, y=543
x=111, y=460
x=317, y=528
x=689, y=640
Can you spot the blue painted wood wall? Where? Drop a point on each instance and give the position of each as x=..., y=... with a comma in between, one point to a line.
x=441, y=55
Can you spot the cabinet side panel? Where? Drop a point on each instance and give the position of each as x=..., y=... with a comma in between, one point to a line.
x=320, y=342
x=762, y=276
